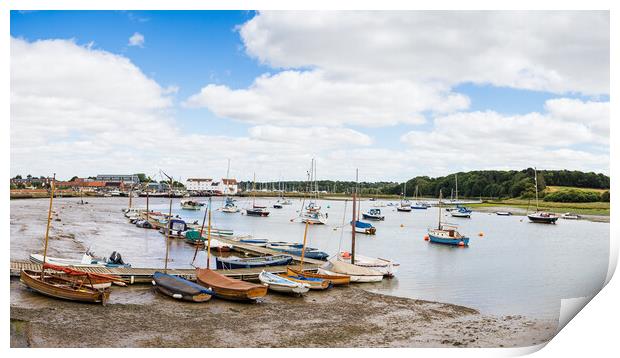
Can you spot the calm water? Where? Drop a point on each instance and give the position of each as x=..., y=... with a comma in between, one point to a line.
x=516, y=268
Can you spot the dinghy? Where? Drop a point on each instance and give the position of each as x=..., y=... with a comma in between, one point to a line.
x=180, y=288
x=191, y=205
x=365, y=228
x=230, y=288
x=64, y=288
x=293, y=250
x=503, y=213
x=282, y=284
x=571, y=216
x=228, y=263
x=335, y=267
x=335, y=280
x=87, y=261
x=314, y=283
x=386, y=267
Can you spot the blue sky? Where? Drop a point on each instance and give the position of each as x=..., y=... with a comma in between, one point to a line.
x=190, y=50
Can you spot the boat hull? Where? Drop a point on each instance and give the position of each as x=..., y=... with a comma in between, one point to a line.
x=353, y=278
x=335, y=280
x=373, y=217
x=51, y=286
x=449, y=241
x=180, y=288
x=543, y=220
x=404, y=210
x=228, y=264
x=228, y=288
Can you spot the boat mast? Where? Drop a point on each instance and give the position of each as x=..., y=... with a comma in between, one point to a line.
x=227, y=178
x=169, y=224
x=456, y=179
x=202, y=228
x=353, y=221
x=209, y=235
x=47, y=229
x=147, y=199
x=130, y=195
x=253, y=192
x=536, y=184
x=439, y=218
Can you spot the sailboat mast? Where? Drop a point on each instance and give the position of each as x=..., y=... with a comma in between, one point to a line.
x=353, y=221
x=439, y=218
x=49, y=221
x=130, y=195
x=253, y=191
x=169, y=225
x=536, y=184
x=227, y=178
x=147, y=199
x=209, y=236
x=456, y=179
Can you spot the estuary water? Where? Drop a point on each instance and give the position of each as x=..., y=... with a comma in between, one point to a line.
x=514, y=268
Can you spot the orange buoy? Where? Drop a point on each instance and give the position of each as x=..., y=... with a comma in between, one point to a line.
x=426, y=238
x=461, y=244
x=481, y=234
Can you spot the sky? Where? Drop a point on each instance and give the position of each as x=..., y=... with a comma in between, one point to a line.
x=395, y=94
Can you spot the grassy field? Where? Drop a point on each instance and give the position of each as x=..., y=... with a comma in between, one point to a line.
x=596, y=208
x=552, y=189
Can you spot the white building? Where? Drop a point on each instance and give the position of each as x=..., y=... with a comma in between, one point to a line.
x=208, y=185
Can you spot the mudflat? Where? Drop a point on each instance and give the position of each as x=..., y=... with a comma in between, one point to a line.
x=138, y=316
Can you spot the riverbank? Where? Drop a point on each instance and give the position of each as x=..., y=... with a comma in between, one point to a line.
x=598, y=212
x=342, y=317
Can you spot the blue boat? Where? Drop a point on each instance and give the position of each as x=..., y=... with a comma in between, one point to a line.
x=447, y=235
x=461, y=212
x=296, y=250
x=365, y=228
x=180, y=288
x=227, y=263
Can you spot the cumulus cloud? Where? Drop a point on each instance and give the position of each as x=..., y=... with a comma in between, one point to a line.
x=315, y=97
x=556, y=51
x=570, y=134
x=137, y=39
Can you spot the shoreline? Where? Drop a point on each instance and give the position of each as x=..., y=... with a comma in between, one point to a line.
x=341, y=317
x=517, y=211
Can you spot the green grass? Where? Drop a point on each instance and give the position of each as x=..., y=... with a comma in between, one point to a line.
x=552, y=189
x=596, y=208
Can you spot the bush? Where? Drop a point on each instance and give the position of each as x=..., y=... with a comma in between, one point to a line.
x=573, y=196
x=605, y=196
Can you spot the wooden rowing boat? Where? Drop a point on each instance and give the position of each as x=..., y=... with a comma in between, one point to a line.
x=63, y=288
x=180, y=288
x=312, y=282
x=282, y=284
x=335, y=280
x=229, y=288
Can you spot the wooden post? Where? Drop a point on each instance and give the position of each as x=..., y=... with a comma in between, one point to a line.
x=47, y=229
x=202, y=228
x=303, y=249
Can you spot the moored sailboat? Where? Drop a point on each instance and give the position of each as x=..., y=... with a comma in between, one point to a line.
x=446, y=234
x=541, y=216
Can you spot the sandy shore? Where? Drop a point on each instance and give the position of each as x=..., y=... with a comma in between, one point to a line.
x=341, y=317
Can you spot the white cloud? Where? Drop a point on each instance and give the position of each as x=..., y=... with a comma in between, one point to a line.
x=316, y=98
x=569, y=135
x=137, y=39
x=557, y=51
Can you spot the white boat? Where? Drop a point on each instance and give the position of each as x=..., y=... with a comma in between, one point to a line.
x=281, y=284
x=571, y=216
x=313, y=217
x=460, y=213
x=503, y=213
x=86, y=261
x=336, y=267
x=386, y=267
x=191, y=205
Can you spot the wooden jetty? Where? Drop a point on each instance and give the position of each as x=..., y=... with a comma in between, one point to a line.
x=144, y=275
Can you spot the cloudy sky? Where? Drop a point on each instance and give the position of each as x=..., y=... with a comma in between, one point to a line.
x=395, y=94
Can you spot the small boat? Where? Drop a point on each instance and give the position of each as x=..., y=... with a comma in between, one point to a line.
x=192, y=237
x=227, y=263
x=177, y=229
x=571, y=216
x=282, y=284
x=229, y=288
x=313, y=216
x=87, y=260
x=191, y=205
x=229, y=206
x=543, y=217
x=277, y=206
x=335, y=280
x=365, y=228
x=254, y=241
x=446, y=234
x=286, y=202
x=461, y=212
x=180, y=288
x=404, y=207
x=418, y=205
x=257, y=211
x=314, y=283
x=503, y=213
x=98, y=281
x=335, y=267
x=386, y=267
x=373, y=214
x=58, y=287
x=296, y=250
